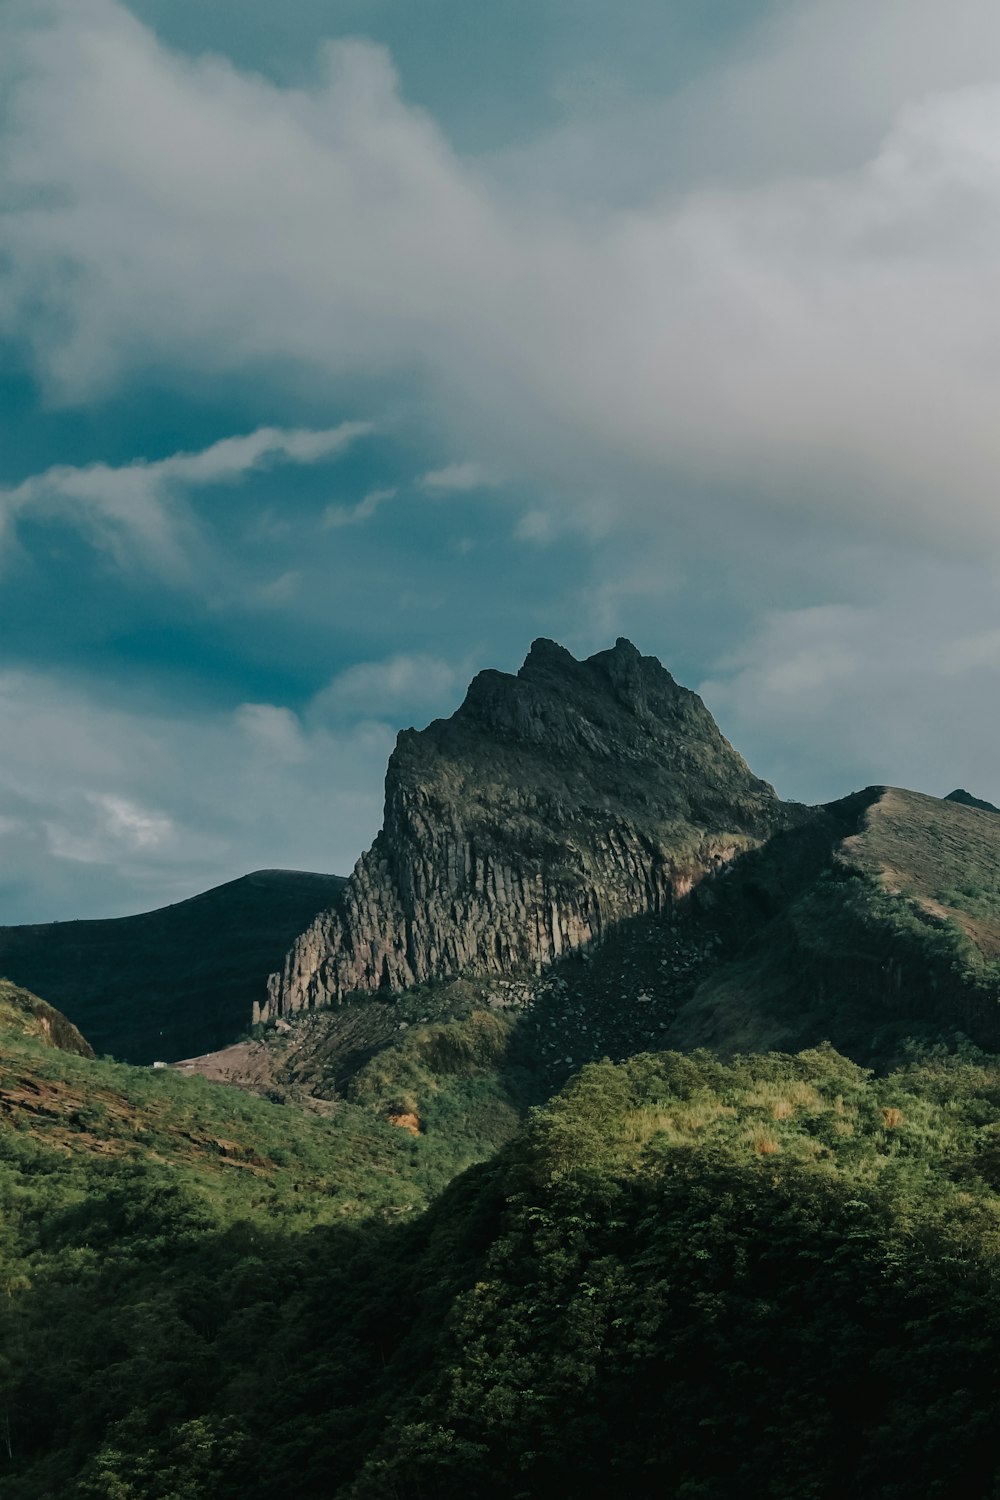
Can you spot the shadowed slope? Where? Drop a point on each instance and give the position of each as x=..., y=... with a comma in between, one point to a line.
x=877, y=921
x=172, y=982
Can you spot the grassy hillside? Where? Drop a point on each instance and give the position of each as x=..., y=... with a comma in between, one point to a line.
x=138, y=1210
x=23, y=1014
x=777, y=1276
x=878, y=921
x=173, y=982
x=76, y=1116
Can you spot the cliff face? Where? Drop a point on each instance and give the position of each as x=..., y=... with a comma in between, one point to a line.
x=552, y=805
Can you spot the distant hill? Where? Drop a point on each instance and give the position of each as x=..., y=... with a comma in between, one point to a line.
x=173, y=982
x=968, y=800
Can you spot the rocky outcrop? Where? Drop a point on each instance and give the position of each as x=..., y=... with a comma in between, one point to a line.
x=553, y=805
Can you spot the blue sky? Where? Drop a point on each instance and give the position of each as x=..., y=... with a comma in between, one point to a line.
x=343, y=352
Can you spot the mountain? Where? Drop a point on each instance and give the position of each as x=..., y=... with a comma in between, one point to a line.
x=592, y=1206
x=172, y=982
x=550, y=807
x=968, y=800
x=874, y=922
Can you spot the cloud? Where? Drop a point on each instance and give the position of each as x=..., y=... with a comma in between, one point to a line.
x=135, y=509
x=808, y=88
x=819, y=343
x=455, y=479
x=726, y=335
x=535, y=526
x=351, y=515
x=904, y=689
x=279, y=591
x=392, y=688
x=161, y=804
x=274, y=730
x=102, y=828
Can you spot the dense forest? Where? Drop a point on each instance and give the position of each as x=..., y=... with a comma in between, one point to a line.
x=774, y=1276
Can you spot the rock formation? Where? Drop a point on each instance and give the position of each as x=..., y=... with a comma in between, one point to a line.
x=552, y=805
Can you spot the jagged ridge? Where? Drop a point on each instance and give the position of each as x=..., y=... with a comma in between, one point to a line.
x=551, y=806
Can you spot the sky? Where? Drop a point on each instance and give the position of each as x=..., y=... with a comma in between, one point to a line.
x=347, y=347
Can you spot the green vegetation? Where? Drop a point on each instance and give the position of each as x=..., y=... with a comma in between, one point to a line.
x=24, y=1014
x=876, y=922
x=79, y=1120
x=449, y=1083
x=778, y=1276
x=773, y=1278
x=979, y=897
x=681, y=1276
x=140, y=1213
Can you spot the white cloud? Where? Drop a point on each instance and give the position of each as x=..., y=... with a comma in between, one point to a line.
x=969, y=653
x=535, y=526
x=455, y=479
x=388, y=689
x=823, y=343
x=813, y=90
x=279, y=591
x=904, y=690
x=162, y=805
x=100, y=828
x=137, y=508
x=134, y=826
x=274, y=730
x=351, y=515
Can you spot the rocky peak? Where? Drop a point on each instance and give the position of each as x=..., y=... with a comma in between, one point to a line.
x=553, y=804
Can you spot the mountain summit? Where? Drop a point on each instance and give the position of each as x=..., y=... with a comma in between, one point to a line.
x=551, y=806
